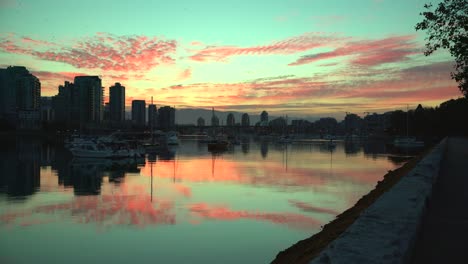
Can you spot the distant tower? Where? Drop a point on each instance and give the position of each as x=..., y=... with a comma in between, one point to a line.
x=152, y=114
x=230, y=121
x=200, y=122
x=91, y=98
x=245, y=120
x=117, y=102
x=214, y=118
x=264, y=117
x=166, y=116
x=139, y=112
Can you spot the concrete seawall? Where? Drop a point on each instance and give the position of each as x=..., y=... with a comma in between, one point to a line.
x=386, y=231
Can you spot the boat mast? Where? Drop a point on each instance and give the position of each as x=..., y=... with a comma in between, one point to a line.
x=407, y=123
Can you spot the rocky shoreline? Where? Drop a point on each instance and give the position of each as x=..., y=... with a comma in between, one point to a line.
x=305, y=250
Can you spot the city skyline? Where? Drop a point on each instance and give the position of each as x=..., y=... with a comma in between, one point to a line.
x=296, y=58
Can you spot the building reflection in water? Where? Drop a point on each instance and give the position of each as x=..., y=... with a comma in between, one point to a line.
x=352, y=147
x=85, y=175
x=264, y=148
x=20, y=160
x=245, y=144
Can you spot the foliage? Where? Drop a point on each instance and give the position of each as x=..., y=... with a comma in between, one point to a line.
x=447, y=28
x=448, y=119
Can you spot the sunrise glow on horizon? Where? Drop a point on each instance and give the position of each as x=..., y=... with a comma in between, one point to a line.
x=299, y=58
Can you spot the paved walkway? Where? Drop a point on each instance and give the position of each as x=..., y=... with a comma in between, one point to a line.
x=444, y=234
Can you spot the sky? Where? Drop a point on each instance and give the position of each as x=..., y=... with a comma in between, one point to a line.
x=302, y=58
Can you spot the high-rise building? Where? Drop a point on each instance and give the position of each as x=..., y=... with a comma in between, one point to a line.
x=166, y=116
x=139, y=112
x=230, y=121
x=20, y=95
x=245, y=122
x=117, y=102
x=200, y=122
x=47, y=112
x=214, y=118
x=28, y=92
x=152, y=116
x=91, y=98
x=66, y=104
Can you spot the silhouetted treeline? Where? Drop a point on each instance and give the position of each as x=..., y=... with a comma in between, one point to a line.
x=448, y=119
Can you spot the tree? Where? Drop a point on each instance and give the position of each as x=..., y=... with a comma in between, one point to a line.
x=447, y=28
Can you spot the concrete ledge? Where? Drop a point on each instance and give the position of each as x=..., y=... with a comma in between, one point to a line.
x=386, y=231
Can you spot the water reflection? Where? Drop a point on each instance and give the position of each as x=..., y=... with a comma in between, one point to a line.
x=287, y=190
x=20, y=161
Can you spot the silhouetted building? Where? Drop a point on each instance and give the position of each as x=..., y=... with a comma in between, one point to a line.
x=166, y=116
x=152, y=116
x=139, y=112
x=214, y=119
x=326, y=125
x=47, y=111
x=91, y=99
x=20, y=95
x=277, y=123
x=106, y=113
x=376, y=124
x=230, y=121
x=245, y=122
x=117, y=102
x=200, y=122
x=353, y=123
x=301, y=126
x=7, y=95
x=66, y=104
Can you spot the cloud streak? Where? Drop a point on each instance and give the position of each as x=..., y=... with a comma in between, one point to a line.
x=225, y=214
x=292, y=45
x=369, y=52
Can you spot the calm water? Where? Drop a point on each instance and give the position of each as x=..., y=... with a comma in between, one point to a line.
x=243, y=206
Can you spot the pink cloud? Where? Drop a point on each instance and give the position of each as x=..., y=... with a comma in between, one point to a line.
x=102, y=51
x=288, y=46
x=196, y=43
x=313, y=209
x=185, y=74
x=223, y=213
x=37, y=42
x=369, y=52
x=105, y=210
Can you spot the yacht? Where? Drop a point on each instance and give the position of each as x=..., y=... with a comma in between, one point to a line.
x=172, y=138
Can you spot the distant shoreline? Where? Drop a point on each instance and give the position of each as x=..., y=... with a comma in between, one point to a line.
x=305, y=250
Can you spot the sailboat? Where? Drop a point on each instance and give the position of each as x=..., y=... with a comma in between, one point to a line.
x=152, y=146
x=407, y=142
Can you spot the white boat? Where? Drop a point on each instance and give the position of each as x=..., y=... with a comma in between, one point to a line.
x=408, y=142
x=171, y=138
x=99, y=150
x=90, y=150
x=284, y=140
